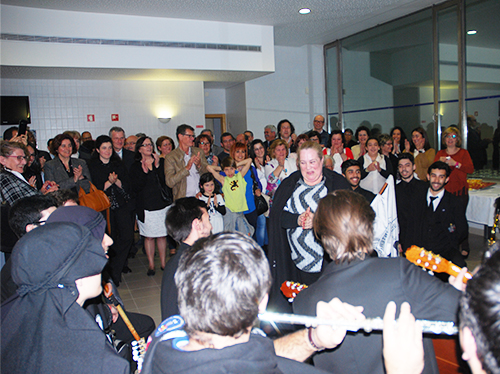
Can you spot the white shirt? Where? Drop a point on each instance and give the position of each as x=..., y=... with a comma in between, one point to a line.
x=193, y=179
x=436, y=202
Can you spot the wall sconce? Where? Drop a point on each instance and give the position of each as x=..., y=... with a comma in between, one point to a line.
x=164, y=120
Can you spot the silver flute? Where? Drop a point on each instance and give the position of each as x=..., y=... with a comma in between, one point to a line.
x=368, y=324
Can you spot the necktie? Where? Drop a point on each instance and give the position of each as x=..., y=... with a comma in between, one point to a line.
x=431, y=204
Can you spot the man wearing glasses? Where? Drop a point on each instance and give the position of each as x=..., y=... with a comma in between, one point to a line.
x=318, y=124
x=185, y=164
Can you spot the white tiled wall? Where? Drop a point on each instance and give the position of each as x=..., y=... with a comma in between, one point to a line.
x=59, y=105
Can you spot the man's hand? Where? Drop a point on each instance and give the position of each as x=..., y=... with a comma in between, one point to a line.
x=457, y=281
x=327, y=336
x=114, y=312
x=403, y=346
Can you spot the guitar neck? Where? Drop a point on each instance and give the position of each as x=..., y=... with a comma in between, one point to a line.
x=368, y=324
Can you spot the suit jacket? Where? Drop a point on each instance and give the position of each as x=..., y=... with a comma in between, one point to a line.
x=409, y=197
x=442, y=231
x=372, y=283
x=12, y=188
x=54, y=171
x=127, y=158
x=176, y=173
x=279, y=253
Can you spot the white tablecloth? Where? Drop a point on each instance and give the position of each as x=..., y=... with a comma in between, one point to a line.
x=481, y=208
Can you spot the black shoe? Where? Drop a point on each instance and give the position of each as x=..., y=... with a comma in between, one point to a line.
x=126, y=270
x=151, y=272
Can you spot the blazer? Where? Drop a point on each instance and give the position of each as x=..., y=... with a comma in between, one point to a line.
x=12, y=188
x=372, y=283
x=442, y=231
x=128, y=158
x=54, y=171
x=176, y=173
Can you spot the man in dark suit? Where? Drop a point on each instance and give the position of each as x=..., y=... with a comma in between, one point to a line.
x=351, y=170
x=442, y=218
x=407, y=191
x=344, y=222
x=117, y=135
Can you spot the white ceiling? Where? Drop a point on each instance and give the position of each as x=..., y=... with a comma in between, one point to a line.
x=328, y=21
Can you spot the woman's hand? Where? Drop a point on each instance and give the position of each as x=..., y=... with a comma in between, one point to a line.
x=407, y=145
x=147, y=164
x=78, y=172
x=281, y=161
x=258, y=192
x=156, y=159
x=306, y=219
x=373, y=166
x=448, y=160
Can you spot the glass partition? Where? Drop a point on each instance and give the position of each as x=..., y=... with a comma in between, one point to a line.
x=387, y=74
x=483, y=84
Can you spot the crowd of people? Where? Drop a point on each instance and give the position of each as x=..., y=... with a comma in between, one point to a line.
x=231, y=224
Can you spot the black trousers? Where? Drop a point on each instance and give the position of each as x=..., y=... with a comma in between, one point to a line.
x=122, y=233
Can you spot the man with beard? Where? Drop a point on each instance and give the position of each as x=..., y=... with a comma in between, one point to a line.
x=442, y=218
x=351, y=170
x=407, y=191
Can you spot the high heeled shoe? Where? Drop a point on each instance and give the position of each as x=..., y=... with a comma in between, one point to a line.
x=151, y=272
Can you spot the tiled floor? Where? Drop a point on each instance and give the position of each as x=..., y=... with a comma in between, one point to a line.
x=141, y=293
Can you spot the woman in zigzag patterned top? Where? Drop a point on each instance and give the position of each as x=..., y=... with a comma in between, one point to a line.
x=294, y=252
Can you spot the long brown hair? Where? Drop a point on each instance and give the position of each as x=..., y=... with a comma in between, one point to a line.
x=343, y=223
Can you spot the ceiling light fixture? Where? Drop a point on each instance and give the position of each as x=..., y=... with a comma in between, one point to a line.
x=305, y=11
x=471, y=32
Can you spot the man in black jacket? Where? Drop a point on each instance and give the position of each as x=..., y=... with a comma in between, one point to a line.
x=187, y=221
x=223, y=283
x=408, y=191
x=344, y=222
x=442, y=217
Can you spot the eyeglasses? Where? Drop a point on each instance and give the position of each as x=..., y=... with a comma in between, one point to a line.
x=319, y=121
x=204, y=143
x=147, y=145
x=20, y=158
x=190, y=135
x=451, y=136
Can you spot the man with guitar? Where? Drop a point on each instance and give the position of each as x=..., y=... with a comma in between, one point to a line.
x=223, y=283
x=344, y=224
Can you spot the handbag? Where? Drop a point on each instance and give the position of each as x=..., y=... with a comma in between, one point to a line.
x=166, y=192
x=261, y=205
x=95, y=199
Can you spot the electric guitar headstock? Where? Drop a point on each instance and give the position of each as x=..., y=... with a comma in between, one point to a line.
x=435, y=263
x=291, y=289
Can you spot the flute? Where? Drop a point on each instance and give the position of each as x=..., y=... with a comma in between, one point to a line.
x=368, y=324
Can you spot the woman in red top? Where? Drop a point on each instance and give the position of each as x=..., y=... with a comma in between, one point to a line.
x=460, y=164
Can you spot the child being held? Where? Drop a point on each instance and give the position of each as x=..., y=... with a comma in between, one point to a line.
x=215, y=202
x=234, y=189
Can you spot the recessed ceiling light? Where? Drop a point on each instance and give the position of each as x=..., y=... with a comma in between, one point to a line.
x=305, y=11
x=471, y=32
